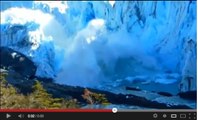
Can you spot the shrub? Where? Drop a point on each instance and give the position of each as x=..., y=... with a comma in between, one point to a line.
x=38, y=99
x=94, y=98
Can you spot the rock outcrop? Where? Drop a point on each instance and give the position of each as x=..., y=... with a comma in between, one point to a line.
x=11, y=59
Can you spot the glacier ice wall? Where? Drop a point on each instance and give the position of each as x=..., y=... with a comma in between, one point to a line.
x=85, y=43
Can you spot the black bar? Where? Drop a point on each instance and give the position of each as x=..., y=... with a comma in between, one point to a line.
x=99, y=116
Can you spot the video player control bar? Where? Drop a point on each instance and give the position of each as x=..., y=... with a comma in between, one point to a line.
x=114, y=114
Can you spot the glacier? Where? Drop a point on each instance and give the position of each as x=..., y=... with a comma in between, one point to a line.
x=90, y=42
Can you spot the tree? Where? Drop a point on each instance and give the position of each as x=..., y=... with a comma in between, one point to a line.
x=94, y=98
x=10, y=98
x=41, y=99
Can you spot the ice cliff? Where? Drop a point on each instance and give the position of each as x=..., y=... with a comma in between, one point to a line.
x=85, y=43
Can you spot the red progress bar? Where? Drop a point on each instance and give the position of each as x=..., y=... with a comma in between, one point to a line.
x=55, y=110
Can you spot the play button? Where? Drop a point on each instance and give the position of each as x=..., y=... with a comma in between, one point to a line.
x=8, y=115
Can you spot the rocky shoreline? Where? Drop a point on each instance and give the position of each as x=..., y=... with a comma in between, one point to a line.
x=75, y=92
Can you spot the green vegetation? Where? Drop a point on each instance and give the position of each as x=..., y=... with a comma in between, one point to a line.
x=94, y=98
x=39, y=98
x=11, y=98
